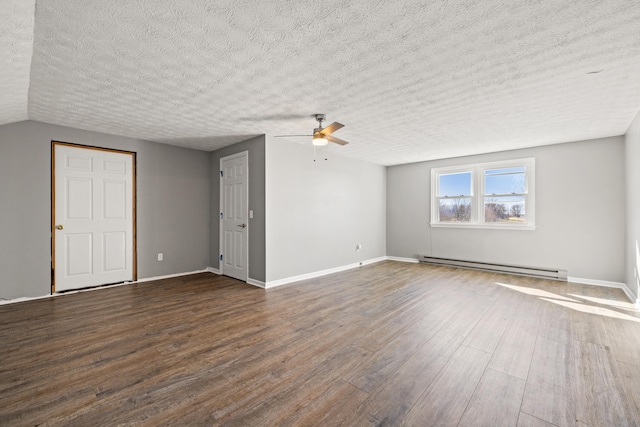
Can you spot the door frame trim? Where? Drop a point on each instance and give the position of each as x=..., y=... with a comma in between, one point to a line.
x=53, y=203
x=220, y=226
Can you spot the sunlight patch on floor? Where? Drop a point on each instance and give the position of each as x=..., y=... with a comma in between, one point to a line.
x=612, y=303
x=536, y=292
x=584, y=306
x=593, y=310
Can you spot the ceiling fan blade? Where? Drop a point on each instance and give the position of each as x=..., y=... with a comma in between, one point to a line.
x=287, y=136
x=336, y=140
x=331, y=128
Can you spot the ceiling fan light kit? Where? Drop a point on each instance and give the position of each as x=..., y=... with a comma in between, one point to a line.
x=319, y=139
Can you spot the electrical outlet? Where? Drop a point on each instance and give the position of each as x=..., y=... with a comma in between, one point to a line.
x=358, y=247
x=160, y=257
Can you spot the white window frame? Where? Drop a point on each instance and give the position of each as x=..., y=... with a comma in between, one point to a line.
x=477, y=196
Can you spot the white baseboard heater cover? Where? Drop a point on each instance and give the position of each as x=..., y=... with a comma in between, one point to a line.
x=547, y=273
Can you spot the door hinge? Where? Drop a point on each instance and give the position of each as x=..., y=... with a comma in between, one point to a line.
x=222, y=174
x=221, y=215
x=220, y=257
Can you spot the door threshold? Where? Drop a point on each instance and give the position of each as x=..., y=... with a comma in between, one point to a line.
x=89, y=288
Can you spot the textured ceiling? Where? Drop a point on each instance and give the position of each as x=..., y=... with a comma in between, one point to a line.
x=411, y=80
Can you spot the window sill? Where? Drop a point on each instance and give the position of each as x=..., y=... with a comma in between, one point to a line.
x=485, y=226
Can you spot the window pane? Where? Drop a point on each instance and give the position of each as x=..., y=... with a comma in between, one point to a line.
x=504, y=209
x=504, y=181
x=455, y=184
x=455, y=209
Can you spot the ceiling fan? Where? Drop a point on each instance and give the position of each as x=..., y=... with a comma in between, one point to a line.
x=322, y=136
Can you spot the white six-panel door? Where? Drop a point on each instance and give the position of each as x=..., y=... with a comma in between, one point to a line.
x=92, y=217
x=233, y=215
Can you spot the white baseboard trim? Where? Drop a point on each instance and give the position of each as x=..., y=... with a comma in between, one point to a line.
x=400, y=259
x=23, y=299
x=307, y=276
x=250, y=281
x=168, y=276
x=96, y=288
x=604, y=283
x=257, y=283
x=374, y=260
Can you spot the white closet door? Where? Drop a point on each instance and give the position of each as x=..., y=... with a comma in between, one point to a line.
x=93, y=217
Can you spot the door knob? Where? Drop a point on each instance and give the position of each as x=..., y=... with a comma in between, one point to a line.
x=59, y=227
x=242, y=225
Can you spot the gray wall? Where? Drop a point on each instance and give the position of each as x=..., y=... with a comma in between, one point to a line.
x=579, y=213
x=632, y=241
x=255, y=147
x=317, y=212
x=172, y=205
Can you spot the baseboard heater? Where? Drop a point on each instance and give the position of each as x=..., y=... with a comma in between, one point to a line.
x=547, y=273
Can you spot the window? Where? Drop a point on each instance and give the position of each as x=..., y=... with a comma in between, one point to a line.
x=484, y=195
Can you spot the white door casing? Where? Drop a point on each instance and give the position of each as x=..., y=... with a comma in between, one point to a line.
x=234, y=227
x=93, y=217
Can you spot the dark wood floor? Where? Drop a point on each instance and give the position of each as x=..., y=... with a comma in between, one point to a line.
x=386, y=344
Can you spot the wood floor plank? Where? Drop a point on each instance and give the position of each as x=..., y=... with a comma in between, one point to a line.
x=393, y=400
x=551, y=385
x=555, y=322
x=60, y=405
x=379, y=366
x=465, y=320
x=601, y=399
x=496, y=401
x=331, y=408
x=283, y=402
x=630, y=375
x=589, y=327
x=487, y=333
x=526, y=420
x=624, y=336
x=290, y=364
x=446, y=399
x=165, y=397
x=515, y=350
x=387, y=324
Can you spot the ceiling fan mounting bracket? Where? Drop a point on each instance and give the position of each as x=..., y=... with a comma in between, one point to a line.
x=320, y=118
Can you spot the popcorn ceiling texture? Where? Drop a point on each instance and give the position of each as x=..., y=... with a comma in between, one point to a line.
x=411, y=80
x=16, y=47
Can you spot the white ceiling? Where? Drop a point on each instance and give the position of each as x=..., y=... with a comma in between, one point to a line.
x=411, y=80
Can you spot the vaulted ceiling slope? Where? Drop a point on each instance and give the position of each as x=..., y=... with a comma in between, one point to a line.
x=16, y=48
x=411, y=80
